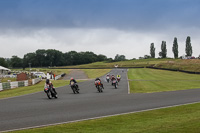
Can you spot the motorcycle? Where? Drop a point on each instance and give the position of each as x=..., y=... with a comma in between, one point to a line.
x=118, y=79
x=51, y=92
x=74, y=87
x=108, y=78
x=98, y=86
x=114, y=83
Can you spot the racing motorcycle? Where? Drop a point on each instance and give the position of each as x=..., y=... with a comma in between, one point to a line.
x=98, y=86
x=74, y=87
x=114, y=83
x=118, y=79
x=50, y=91
x=107, y=78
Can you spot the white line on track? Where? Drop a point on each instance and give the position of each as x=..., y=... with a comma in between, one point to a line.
x=128, y=82
x=97, y=117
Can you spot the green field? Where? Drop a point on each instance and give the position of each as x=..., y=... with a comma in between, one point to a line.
x=181, y=119
x=144, y=80
x=176, y=64
x=94, y=73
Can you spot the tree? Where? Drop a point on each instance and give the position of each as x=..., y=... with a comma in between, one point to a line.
x=152, y=50
x=119, y=57
x=163, y=52
x=101, y=57
x=16, y=62
x=3, y=62
x=41, y=57
x=175, y=48
x=147, y=56
x=188, y=49
x=30, y=58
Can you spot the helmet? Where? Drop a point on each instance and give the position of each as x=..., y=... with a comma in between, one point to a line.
x=97, y=78
x=71, y=78
x=47, y=81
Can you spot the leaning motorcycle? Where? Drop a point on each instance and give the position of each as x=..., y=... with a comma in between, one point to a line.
x=51, y=92
x=74, y=87
x=98, y=86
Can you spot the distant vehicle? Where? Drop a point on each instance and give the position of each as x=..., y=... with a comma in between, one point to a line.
x=38, y=74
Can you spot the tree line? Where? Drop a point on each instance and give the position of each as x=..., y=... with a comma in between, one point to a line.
x=163, y=52
x=52, y=57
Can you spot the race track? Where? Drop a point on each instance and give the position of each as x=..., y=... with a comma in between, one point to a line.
x=36, y=109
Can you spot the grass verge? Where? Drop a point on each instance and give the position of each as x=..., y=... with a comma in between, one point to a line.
x=150, y=80
x=180, y=119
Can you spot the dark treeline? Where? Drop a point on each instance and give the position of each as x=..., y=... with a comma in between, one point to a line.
x=52, y=57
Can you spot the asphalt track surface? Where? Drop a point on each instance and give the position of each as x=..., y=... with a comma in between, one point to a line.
x=36, y=109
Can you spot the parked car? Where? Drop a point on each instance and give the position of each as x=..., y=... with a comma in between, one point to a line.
x=38, y=74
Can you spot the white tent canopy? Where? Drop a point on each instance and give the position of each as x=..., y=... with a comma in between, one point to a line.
x=4, y=69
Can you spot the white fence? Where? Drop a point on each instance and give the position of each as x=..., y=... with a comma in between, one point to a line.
x=35, y=81
x=1, y=87
x=11, y=85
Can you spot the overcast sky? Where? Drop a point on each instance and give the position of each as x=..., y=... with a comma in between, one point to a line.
x=109, y=27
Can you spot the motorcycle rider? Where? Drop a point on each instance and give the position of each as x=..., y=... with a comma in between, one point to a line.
x=118, y=77
x=98, y=79
x=113, y=78
x=73, y=80
x=49, y=84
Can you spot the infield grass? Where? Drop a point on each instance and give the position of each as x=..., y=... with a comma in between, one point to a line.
x=144, y=80
x=94, y=73
x=180, y=119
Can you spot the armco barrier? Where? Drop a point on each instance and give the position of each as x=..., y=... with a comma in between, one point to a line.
x=59, y=76
x=35, y=81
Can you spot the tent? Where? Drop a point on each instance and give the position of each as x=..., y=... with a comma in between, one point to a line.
x=3, y=70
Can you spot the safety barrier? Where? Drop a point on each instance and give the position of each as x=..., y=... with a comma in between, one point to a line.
x=1, y=87
x=59, y=76
x=35, y=81
x=15, y=84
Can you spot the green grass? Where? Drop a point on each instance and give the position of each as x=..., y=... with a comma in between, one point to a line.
x=177, y=64
x=181, y=119
x=127, y=63
x=6, y=79
x=30, y=89
x=94, y=73
x=143, y=80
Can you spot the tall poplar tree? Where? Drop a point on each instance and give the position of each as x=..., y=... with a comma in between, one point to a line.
x=152, y=50
x=175, y=48
x=188, y=49
x=163, y=52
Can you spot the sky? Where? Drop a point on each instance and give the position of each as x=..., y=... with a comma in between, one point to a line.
x=108, y=27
